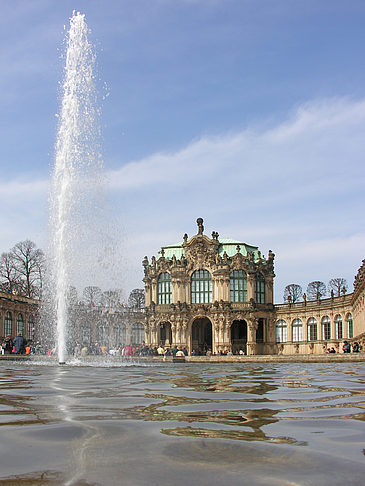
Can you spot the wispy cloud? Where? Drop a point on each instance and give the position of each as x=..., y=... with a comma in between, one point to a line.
x=320, y=139
x=295, y=187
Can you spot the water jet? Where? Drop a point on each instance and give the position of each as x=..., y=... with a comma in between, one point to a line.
x=76, y=173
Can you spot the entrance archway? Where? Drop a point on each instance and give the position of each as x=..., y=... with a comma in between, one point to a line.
x=165, y=334
x=238, y=336
x=201, y=336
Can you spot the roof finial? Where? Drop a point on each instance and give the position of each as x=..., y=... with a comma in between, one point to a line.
x=200, y=226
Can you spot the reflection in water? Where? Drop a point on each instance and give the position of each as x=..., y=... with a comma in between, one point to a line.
x=78, y=425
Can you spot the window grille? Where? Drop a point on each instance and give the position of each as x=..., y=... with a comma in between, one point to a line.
x=201, y=287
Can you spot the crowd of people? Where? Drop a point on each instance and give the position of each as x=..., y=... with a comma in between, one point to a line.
x=18, y=345
x=126, y=350
x=346, y=348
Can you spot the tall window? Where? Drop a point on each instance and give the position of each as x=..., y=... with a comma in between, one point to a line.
x=281, y=331
x=8, y=324
x=201, y=287
x=164, y=289
x=31, y=328
x=137, y=333
x=119, y=334
x=326, y=328
x=103, y=334
x=260, y=289
x=338, y=322
x=350, y=326
x=20, y=324
x=238, y=283
x=297, y=330
x=85, y=333
x=312, y=329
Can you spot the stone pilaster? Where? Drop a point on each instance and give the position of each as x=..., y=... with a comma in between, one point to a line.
x=250, y=286
x=252, y=325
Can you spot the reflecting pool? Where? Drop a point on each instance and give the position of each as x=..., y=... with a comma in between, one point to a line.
x=182, y=424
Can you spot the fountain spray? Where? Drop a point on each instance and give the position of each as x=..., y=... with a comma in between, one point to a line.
x=76, y=167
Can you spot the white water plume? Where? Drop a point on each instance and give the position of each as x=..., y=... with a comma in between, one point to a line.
x=77, y=176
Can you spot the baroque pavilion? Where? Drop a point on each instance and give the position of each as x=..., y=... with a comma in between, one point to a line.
x=215, y=294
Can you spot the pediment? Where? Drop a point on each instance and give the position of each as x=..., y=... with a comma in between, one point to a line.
x=201, y=250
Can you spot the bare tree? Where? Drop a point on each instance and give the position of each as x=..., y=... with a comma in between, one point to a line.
x=337, y=285
x=92, y=295
x=112, y=298
x=293, y=293
x=28, y=261
x=316, y=290
x=136, y=299
x=72, y=296
x=9, y=281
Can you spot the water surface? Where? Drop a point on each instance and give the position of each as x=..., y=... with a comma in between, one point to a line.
x=182, y=424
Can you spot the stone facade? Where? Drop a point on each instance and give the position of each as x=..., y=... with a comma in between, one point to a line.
x=191, y=300
x=211, y=294
x=18, y=315
x=109, y=326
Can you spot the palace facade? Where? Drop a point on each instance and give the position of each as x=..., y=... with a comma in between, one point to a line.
x=217, y=294
x=18, y=315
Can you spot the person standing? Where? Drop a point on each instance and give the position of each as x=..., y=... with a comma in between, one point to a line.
x=7, y=345
x=19, y=344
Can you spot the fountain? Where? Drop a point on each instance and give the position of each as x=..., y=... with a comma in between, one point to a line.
x=77, y=168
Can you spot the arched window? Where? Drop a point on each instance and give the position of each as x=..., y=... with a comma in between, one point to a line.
x=119, y=334
x=85, y=333
x=201, y=287
x=164, y=288
x=20, y=324
x=326, y=328
x=312, y=329
x=297, y=330
x=281, y=331
x=137, y=333
x=31, y=328
x=260, y=289
x=350, y=326
x=238, y=285
x=8, y=324
x=103, y=334
x=338, y=322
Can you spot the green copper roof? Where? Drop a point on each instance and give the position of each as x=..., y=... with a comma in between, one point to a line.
x=171, y=250
x=227, y=245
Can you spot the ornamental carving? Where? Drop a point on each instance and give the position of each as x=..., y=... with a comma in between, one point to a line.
x=200, y=252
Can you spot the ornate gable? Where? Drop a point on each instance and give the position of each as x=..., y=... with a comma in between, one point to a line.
x=201, y=252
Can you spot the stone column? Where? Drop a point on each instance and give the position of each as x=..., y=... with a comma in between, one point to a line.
x=184, y=328
x=153, y=331
x=154, y=291
x=305, y=330
x=252, y=325
x=147, y=293
x=271, y=333
x=227, y=288
x=250, y=286
x=333, y=327
x=289, y=323
x=227, y=323
x=269, y=289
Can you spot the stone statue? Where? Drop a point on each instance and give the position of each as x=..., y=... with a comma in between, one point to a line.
x=200, y=226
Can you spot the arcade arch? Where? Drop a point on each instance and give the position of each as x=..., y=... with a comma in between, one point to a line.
x=238, y=335
x=201, y=335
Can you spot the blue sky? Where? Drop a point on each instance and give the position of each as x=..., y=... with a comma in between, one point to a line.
x=248, y=114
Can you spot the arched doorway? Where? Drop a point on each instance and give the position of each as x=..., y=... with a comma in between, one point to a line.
x=239, y=336
x=165, y=334
x=201, y=336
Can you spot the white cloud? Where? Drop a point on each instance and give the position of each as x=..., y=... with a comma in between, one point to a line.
x=324, y=136
x=295, y=187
